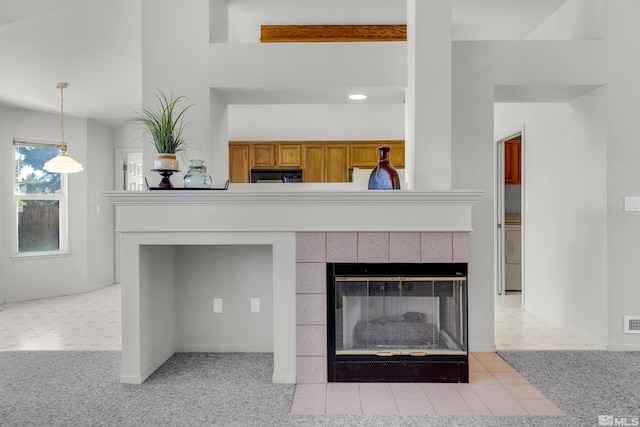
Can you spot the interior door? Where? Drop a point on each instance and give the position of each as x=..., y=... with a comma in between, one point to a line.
x=503, y=177
x=500, y=255
x=128, y=170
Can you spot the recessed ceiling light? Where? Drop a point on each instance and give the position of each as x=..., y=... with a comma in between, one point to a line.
x=357, y=97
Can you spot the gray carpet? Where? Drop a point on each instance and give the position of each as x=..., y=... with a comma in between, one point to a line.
x=211, y=389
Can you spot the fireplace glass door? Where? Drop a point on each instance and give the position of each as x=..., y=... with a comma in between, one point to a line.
x=399, y=316
x=397, y=327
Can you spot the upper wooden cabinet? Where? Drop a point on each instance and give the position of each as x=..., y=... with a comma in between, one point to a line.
x=289, y=155
x=325, y=163
x=512, y=162
x=366, y=155
x=321, y=161
x=337, y=163
x=263, y=155
x=239, y=167
x=314, y=163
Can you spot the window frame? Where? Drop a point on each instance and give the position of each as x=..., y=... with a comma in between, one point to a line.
x=61, y=198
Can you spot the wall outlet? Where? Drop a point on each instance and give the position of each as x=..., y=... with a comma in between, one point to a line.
x=217, y=305
x=255, y=305
x=631, y=204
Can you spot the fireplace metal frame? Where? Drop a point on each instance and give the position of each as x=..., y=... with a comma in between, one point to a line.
x=451, y=368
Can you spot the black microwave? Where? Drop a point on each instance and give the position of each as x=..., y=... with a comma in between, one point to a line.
x=276, y=175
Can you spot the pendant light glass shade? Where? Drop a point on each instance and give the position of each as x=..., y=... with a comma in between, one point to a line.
x=62, y=163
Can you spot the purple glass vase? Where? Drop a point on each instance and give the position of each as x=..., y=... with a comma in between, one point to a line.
x=384, y=176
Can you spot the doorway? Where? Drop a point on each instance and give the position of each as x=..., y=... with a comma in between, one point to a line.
x=509, y=209
x=128, y=169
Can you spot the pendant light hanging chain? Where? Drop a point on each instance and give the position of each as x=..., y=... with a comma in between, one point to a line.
x=62, y=163
x=61, y=86
x=62, y=113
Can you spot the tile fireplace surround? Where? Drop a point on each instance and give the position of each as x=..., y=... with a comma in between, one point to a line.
x=314, y=250
x=306, y=227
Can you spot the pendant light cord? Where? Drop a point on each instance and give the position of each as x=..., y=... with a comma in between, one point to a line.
x=62, y=163
x=63, y=146
x=62, y=113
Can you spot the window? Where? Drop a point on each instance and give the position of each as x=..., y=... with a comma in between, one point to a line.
x=40, y=200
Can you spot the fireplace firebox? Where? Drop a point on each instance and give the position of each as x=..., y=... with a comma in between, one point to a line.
x=397, y=322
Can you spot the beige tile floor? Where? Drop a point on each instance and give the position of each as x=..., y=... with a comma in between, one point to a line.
x=494, y=388
x=91, y=322
x=519, y=330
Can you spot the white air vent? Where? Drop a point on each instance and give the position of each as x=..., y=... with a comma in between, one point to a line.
x=632, y=324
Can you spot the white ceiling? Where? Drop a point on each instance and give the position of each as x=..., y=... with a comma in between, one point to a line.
x=95, y=45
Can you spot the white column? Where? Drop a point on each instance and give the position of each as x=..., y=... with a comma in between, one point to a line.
x=219, y=131
x=284, y=308
x=219, y=21
x=428, y=97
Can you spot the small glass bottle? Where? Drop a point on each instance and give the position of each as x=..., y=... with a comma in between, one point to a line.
x=384, y=176
x=196, y=176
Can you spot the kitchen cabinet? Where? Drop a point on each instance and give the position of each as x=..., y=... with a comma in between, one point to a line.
x=239, y=168
x=314, y=163
x=366, y=155
x=336, y=163
x=263, y=155
x=289, y=155
x=325, y=163
x=512, y=162
x=321, y=161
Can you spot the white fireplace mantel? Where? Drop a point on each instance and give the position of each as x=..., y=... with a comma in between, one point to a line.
x=295, y=210
x=151, y=224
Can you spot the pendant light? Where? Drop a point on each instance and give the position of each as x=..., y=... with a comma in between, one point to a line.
x=62, y=163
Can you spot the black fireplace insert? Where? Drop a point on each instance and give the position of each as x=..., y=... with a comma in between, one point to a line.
x=397, y=322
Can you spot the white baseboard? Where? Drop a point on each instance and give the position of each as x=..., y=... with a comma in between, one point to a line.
x=98, y=287
x=131, y=379
x=283, y=379
x=139, y=379
x=623, y=348
x=243, y=348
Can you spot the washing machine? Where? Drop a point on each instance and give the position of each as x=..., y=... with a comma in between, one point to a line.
x=513, y=253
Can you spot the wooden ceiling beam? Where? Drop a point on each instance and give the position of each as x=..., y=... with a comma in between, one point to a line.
x=332, y=33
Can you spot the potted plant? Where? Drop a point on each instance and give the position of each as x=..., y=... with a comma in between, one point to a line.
x=165, y=126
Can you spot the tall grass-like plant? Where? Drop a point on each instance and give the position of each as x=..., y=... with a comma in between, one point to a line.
x=165, y=124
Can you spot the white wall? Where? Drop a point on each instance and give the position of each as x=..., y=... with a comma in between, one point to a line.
x=23, y=278
x=236, y=274
x=226, y=68
x=90, y=262
x=4, y=219
x=472, y=154
x=623, y=178
x=128, y=135
x=100, y=211
x=565, y=242
x=246, y=16
x=575, y=20
x=308, y=122
x=478, y=67
x=184, y=74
